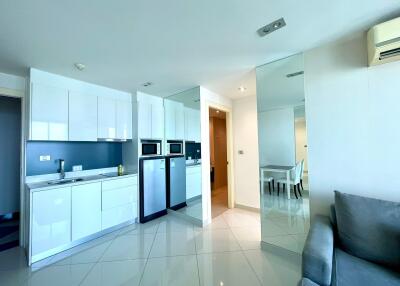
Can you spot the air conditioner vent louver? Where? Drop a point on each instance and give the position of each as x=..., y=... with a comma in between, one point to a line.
x=384, y=43
x=389, y=54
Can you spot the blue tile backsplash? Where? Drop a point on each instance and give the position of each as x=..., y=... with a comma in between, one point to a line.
x=91, y=155
x=193, y=150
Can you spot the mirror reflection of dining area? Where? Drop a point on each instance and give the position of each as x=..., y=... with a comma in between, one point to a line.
x=283, y=165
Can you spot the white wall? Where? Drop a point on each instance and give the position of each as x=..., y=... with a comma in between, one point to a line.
x=245, y=138
x=301, y=141
x=276, y=136
x=12, y=85
x=352, y=124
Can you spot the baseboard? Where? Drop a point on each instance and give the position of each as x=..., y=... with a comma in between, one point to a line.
x=239, y=206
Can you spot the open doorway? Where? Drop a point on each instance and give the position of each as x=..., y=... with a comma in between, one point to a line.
x=10, y=171
x=219, y=162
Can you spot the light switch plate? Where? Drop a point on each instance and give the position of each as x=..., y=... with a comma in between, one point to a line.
x=44, y=158
x=77, y=168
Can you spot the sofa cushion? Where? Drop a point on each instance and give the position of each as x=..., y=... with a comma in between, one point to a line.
x=352, y=271
x=369, y=228
x=307, y=282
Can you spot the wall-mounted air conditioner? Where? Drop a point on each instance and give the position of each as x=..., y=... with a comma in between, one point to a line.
x=384, y=43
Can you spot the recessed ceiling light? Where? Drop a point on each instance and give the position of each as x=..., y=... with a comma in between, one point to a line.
x=147, y=84
x=217, y=111
x=242, y=89
x=271, y=27
x=80, y=66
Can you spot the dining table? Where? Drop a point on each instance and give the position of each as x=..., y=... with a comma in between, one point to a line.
x=277, y=169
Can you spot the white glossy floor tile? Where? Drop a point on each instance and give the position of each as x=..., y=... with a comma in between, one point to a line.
x=247, y=237
x=14, y=277
x=173, y=244
x=230, y=268
x=115, y=273
x=138, y=228
x=273, y=269
x=13, y=258
x=129, y=247
x=64, y=275
x=172, y=223
x=216, y=223
x=90, y=255
x=241, y=219
x=176, y=271
x=218, y=240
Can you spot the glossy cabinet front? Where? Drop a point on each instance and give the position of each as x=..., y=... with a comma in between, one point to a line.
x=193, y=181
x=82, y=117
x=65, y=216
x=49, y=113
x=51, y=219
x=86, y=210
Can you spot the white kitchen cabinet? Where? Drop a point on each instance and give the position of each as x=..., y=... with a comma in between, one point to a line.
x=157, y=121
x=144, y=120
x=193, y=181
x=124, y=119
x=107, y=118
x=192, y=124
x=50, y=220
x=119, y=201
x=86, y=210
x=49, y=113
x=180, y=122
x=82, y=117
x=151, y=120
x=174, y=120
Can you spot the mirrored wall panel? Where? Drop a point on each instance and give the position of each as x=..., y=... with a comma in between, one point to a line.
x=183, y=149
x=282, y=135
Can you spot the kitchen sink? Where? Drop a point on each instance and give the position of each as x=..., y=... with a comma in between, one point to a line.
x=64, y=181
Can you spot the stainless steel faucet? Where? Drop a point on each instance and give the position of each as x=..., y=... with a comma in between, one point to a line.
x=61, y=168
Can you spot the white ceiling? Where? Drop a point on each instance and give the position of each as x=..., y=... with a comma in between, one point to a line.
x=177, y=44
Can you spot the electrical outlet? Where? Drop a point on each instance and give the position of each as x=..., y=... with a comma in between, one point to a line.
x=44, y=158
x=77, y=168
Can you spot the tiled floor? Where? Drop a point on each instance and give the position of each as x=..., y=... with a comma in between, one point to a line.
x=219, y=201
x=285, y=223
x=167, y=251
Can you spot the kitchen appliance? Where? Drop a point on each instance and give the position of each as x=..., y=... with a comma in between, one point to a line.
x=152, y=188
x=150, y=147
x=174, y=147
x=176, y=181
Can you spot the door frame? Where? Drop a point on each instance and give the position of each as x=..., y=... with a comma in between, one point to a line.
x=229, y=149
x=15, y=93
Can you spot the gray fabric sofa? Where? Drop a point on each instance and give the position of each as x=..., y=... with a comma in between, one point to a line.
x=358, y=245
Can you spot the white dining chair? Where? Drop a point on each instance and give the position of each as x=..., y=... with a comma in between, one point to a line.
x=294, y=180
x=302, y=175
x=269, y=180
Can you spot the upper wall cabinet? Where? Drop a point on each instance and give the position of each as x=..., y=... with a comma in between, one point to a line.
x=107, y=118
x=114, y=118
x=65, y=109
x=150, y=116
x=49, y=112
x=82, y=117
x=124, y=119
x=192, y=124
x=174, y=120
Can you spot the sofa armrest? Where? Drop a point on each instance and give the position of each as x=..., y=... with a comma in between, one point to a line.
x=318, y=252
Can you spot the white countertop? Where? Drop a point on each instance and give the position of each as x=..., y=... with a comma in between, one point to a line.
x=44, y=185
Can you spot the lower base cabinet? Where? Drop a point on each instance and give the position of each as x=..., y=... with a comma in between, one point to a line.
x=62, y=216
x=193, y=181
x=117, y=215
x=51, y=220
x=86, y=210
